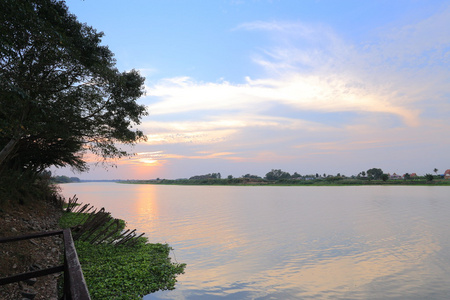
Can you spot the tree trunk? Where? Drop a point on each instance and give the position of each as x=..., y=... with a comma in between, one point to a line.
x=7, y=150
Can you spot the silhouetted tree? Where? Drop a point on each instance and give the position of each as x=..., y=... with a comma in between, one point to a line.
x=277, y=174
x=60, y=93
x=374, y=173
x=296, y=175
x=429, y=177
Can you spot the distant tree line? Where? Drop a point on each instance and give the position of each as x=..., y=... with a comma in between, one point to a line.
x=207, y=176
x=64, y=179
x=280, y=176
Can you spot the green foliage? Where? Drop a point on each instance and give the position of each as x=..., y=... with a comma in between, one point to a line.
x=277, y=174
x=307, y=181
x=60, y=92
x=64, y=179
x=206, y=176
x=68, y=220
x=296, y=175
x=71, y=219
x=429, y=177
x=124, y=272
x=333, y=178
x=127, y=273
x=384, y=177
x=374, y=173
x=27, y=186
x=250, y=176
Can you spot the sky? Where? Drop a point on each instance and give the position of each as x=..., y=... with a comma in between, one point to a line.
x=246, y=86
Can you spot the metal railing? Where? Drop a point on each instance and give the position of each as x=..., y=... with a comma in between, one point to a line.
x=75, y=287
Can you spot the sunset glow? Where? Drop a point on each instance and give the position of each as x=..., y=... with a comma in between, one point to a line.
x=311, y=87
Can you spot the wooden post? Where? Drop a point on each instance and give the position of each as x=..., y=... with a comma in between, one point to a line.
x=73, y=276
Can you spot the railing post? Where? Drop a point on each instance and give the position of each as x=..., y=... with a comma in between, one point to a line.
x=75, y=286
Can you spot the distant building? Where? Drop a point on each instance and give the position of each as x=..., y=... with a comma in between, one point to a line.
x=395, y=176
x=447, y=174
x=409, y=176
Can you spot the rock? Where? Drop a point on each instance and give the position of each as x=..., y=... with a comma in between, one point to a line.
x=35, y=267
x=30, y=281
x=13, y=229
x=28, y=293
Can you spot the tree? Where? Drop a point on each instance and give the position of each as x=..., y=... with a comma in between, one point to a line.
x=384, y=176
x=374, y=173
x=296, y=175
x=435, y=170
x=429, y=177
x=206, y=176
x=60, y=93
x=277, y=174
x=251, y=176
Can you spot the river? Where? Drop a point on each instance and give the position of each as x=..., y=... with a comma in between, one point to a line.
x=249, y=242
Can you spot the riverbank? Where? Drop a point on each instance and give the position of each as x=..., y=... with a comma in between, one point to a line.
x=17, y=257
x=334, y=181
x=116, y=266
x=119, y=272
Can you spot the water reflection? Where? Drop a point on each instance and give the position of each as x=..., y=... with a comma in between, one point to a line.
x=293, y=242
x=144, y=207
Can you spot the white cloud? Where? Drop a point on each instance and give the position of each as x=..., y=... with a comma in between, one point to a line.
x=424, y=41
x=310, y=70
x=327, y=93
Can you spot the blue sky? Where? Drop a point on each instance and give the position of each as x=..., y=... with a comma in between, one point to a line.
x=241, y=87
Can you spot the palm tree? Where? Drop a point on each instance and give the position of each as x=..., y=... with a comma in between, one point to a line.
x=435, y=170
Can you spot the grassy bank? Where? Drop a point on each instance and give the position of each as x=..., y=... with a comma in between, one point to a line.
x=124, y=272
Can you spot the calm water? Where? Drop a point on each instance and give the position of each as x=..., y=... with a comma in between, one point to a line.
x=377, y=242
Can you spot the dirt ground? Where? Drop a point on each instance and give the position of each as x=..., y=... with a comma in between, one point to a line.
x=20, y=257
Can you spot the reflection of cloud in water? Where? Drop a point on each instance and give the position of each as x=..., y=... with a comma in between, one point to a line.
x=310, y=274
x=276, y=243
x=342, y=274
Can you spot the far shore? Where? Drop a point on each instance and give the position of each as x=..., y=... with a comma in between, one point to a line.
x=313, y=182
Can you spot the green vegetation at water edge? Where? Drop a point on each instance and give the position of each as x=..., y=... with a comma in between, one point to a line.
x=127, y=273
x=373, y=176
x=64, y=179
x=124, y=272
x=329, y=181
